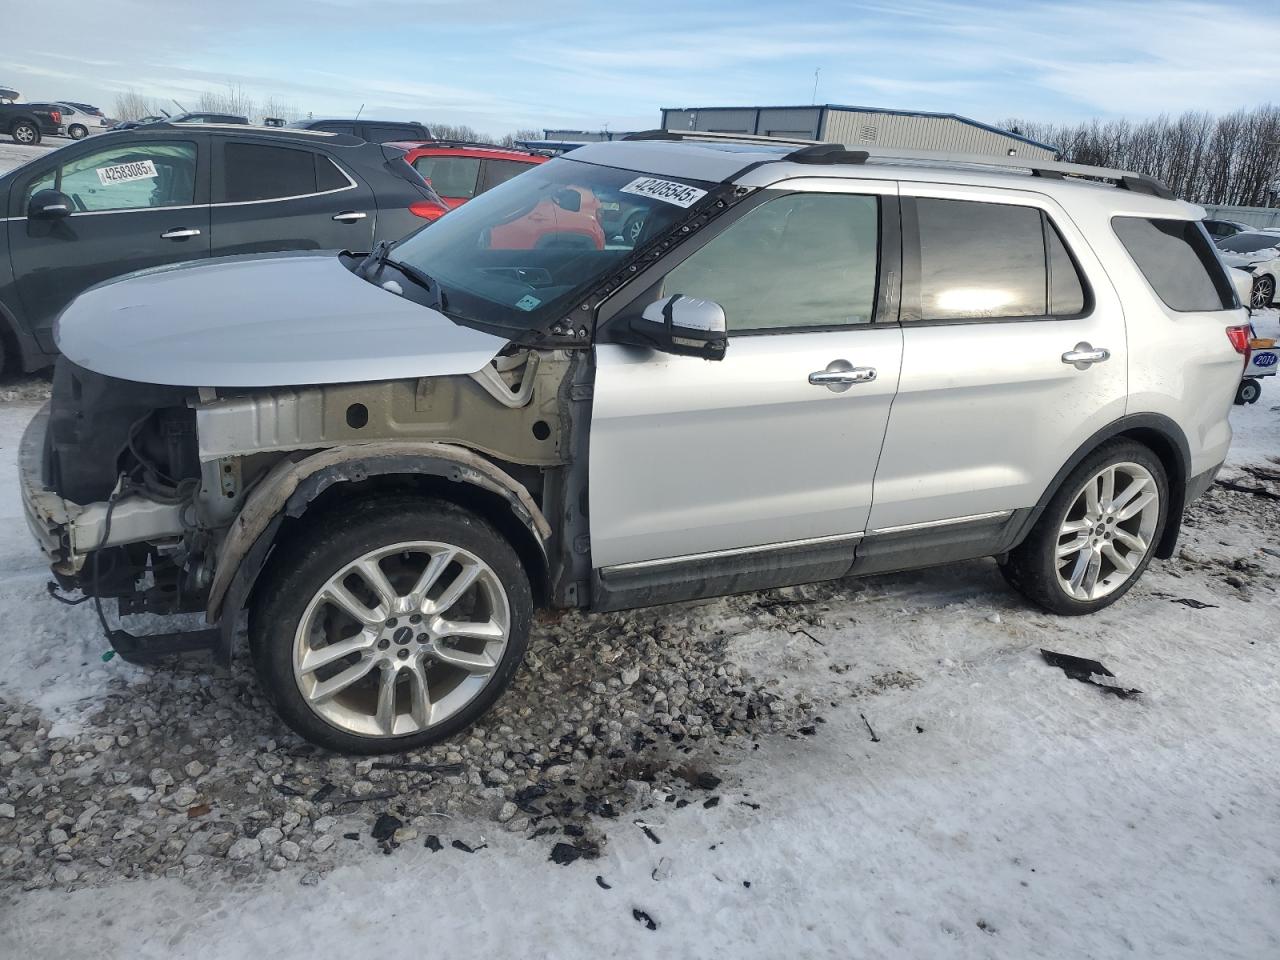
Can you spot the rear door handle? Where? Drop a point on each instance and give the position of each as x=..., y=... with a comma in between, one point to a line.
x=350, y=216
x=840, y=375
x=180, y=233
x=1084, y=355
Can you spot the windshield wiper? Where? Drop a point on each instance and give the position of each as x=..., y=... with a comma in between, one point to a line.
x=379, y=256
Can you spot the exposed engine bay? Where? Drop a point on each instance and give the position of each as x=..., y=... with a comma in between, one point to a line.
x=142, y=488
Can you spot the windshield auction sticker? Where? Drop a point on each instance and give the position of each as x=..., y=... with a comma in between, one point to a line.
x=668, y=191
x=126, y=172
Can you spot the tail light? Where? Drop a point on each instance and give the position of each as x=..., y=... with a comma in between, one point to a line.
x=1239, y=337
x=427, y=210
x=56, y=115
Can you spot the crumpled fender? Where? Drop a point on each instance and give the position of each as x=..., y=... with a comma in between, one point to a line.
x=291, y=485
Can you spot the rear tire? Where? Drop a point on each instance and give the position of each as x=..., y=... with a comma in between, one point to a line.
x=1263, y=293
x=1087, y=550
x=25, y=133
x=437, y=673
x=77, y=132
x=1248, y=392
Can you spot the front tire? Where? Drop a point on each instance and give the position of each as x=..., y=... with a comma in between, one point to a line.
x=77, y=132
x=25, y=133
x=390, y=626
x=1097, y=535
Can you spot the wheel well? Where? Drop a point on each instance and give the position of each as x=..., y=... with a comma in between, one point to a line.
x=1175, y=469
x=484, y=503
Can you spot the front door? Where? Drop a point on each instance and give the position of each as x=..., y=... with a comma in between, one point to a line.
x=136, y=205
x=776, y=445
x=269, y=197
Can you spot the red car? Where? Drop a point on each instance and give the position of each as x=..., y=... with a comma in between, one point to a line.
x=461, y=171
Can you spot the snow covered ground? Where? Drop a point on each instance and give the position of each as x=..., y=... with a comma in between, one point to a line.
x=15, y=154
x=961, y=798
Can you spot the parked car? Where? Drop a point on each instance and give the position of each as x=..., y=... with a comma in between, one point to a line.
x=80, y=123
x=164, y=193
x=85, y=108
x=375, y=131
x=141, y=121
x=1258, y=253
x=382, y=464
x=459, y=171
x=1221, y=229
x=28, y=123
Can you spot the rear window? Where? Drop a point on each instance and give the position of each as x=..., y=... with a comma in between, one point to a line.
x=384, y=133
x=1178, y=261
x=453, y=177
x=257, y=172
x=986, y=261
x=1250, y=242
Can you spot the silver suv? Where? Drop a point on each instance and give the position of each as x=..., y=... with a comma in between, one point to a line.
x=810, y=363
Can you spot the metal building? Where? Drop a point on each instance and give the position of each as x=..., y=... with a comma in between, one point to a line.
x=861, y=126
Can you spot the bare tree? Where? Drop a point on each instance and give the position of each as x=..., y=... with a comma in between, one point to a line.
x=234, y=100
x=511, y=139
x=1233, y=159
x=131, y=105
x=279, y=109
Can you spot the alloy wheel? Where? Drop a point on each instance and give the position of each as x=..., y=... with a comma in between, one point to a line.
x=1260, y=297
x=24, y=134
x=401, y=638
x=1108, y=531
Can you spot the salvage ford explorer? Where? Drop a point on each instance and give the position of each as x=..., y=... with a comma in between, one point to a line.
x=812, y=362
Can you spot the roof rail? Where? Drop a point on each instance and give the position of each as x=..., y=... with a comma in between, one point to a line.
x=818, y=152
x=1053, y=169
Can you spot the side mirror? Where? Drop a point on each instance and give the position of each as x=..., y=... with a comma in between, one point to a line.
x=567, y=199
x=49, y=205
x=683, y=326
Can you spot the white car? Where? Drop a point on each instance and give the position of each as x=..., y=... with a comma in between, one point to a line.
x=1258, y=253
x=80, y=123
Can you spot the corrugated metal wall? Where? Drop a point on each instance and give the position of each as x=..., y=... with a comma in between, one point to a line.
x=855, y=129
x=1253, y=216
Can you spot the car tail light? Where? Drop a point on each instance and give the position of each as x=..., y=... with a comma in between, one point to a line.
x=56, y=115
x=427, y=210
x=1239, y=337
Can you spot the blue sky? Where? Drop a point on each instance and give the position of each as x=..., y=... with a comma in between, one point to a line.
x=502, y=64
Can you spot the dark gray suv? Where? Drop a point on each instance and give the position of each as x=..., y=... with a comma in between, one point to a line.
x=132, y=199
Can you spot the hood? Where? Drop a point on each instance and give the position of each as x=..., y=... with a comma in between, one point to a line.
x=262, y=321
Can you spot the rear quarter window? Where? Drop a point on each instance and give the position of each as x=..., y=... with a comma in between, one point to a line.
x=1178, y=261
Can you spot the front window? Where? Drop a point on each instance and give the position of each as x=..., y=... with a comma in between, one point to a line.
x=519, y=256
x=126, y=177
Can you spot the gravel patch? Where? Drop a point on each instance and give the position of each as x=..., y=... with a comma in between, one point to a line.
x=185, y=772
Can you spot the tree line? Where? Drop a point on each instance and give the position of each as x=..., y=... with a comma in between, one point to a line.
x=1231, y=159
x=234, y=99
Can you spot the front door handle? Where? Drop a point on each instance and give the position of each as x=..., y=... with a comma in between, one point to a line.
x=350, y=216
x=1084, y=355
x=180, y=233
x=840, y=375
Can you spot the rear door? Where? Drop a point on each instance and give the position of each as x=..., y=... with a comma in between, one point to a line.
x=276, y=196
x=1000, y=293
x=775, y=446
x=137, y=203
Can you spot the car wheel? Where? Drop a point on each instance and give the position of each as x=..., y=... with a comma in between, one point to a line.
x=1098, y=533
x=1263, y=292
x=28, y=134
x=390, y=626
x=77, y=132
x=633, y=228
x=1248, y=392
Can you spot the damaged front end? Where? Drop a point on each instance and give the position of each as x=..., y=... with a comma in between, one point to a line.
x=168, y=499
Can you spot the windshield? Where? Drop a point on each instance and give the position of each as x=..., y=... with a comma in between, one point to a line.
x=1249, y=242
x=519, y=256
